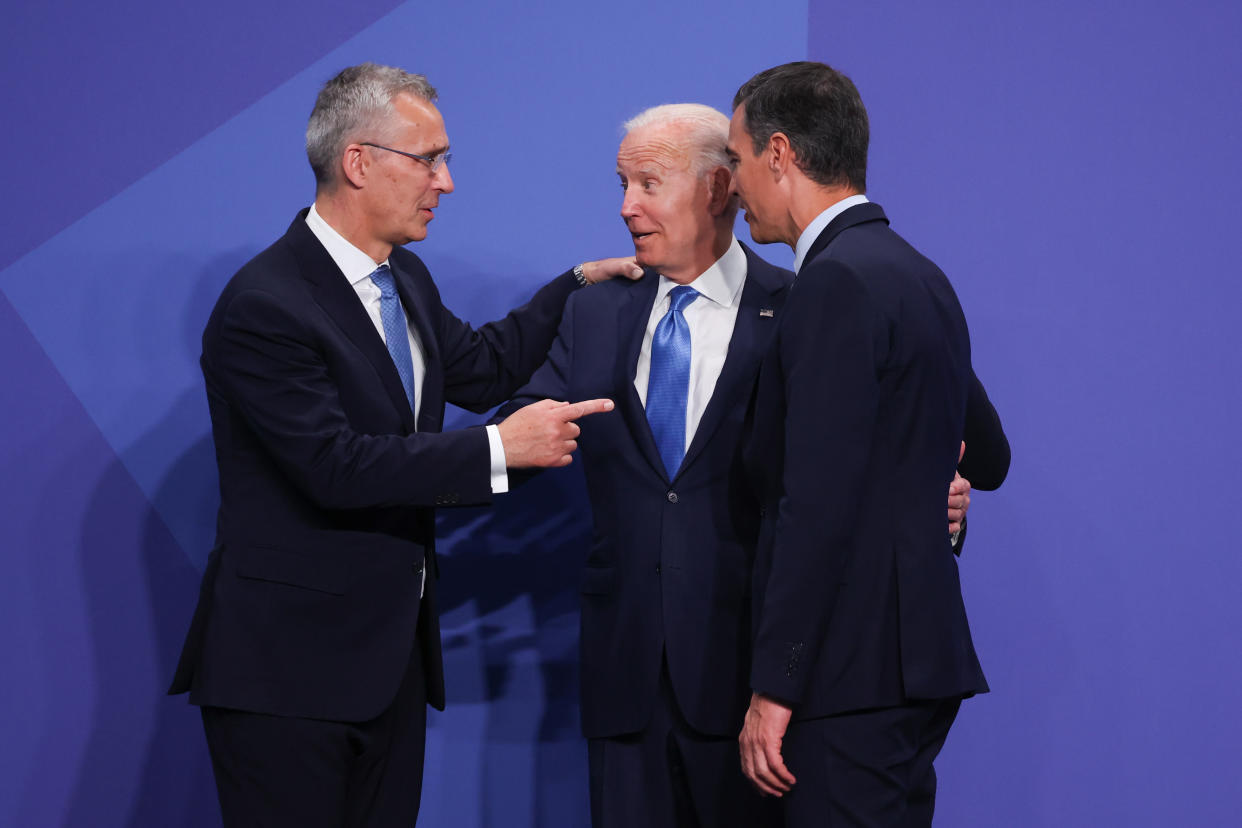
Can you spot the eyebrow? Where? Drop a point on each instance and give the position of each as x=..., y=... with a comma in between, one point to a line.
x=645, y=172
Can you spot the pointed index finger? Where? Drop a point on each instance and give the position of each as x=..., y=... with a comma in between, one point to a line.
x=582, y=409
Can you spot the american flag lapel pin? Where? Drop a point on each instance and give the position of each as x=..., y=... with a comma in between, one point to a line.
x=767, y=313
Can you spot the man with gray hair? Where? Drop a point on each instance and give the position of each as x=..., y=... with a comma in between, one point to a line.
x=665, y=591
x=328, y=360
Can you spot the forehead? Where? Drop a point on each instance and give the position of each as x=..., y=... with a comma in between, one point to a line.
x=418, y=119
x=659, y=148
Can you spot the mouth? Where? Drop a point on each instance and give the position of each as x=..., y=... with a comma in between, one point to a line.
x=640, y=236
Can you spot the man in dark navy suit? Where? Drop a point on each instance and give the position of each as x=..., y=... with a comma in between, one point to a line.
x=328, y=360
x=862, y=652
x=665, y=652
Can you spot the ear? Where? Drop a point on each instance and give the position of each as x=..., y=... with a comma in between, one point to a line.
x=720, y=190
x=355, y=165
x=781, y=157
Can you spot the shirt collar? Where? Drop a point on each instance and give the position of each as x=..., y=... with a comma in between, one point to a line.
x=355, y=264
x=817, y=225
x=721, y=283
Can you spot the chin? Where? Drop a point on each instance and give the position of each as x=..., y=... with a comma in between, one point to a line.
x=760, y=235
x=646, y=260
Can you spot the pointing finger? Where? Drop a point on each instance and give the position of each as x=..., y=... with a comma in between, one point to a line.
x=582, y=409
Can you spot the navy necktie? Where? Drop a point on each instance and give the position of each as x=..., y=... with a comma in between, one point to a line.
x=396, y=332
x=669, y=380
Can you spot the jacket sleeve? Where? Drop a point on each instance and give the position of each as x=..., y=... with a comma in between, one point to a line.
x=550, y=382
x=986, y=461
x=484, y=367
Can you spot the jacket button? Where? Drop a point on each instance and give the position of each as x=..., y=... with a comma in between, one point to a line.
x=672, y=497
x=657, y=569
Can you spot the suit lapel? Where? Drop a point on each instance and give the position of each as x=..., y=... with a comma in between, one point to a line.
x=336, y=296
x=416, y=305
x=858, y=214
x=632, y=317
x=751, y=332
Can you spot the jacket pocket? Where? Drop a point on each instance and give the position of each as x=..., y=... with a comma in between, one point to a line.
x=259, y=563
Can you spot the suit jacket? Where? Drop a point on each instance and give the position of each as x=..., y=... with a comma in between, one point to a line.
x=670, y=561
x=856, y=424
x=310, y=602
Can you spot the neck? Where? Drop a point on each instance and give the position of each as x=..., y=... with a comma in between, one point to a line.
x=710, y=255
x=343, y=216
x=811, y=199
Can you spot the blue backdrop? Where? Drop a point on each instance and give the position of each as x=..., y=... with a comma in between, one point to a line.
x=1070, y=165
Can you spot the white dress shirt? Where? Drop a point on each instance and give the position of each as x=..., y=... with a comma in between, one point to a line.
x=358, y=267
x=710, y=319
x=817, y=225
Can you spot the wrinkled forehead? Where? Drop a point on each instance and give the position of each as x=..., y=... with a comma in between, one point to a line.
x=661, y=148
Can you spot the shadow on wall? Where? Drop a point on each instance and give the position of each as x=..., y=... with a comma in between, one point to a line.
x=509, y=577
x=145, y=755
x=177, y=785
x=177, y=449
x=146, y=762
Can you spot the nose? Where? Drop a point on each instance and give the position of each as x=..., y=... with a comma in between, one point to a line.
x=629, y=204
x=444, y=178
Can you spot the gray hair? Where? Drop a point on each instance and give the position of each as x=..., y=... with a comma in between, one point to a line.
x=357, y=100
x=706, y=128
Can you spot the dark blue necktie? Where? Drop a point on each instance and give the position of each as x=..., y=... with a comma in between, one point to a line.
x=396, y=332
x=669, y=380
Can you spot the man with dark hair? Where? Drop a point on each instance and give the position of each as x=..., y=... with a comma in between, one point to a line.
x=862, y=652
x=328, y=360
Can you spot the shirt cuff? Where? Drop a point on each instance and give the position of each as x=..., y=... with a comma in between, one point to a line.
x=500, y=475
x=954, y=538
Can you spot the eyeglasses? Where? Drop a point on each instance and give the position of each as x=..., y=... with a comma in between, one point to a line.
x=435, y=162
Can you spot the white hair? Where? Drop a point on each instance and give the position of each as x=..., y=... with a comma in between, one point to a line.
x=706, y=129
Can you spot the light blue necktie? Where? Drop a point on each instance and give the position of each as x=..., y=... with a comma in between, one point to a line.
x=669, y=380
x=396, y=332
